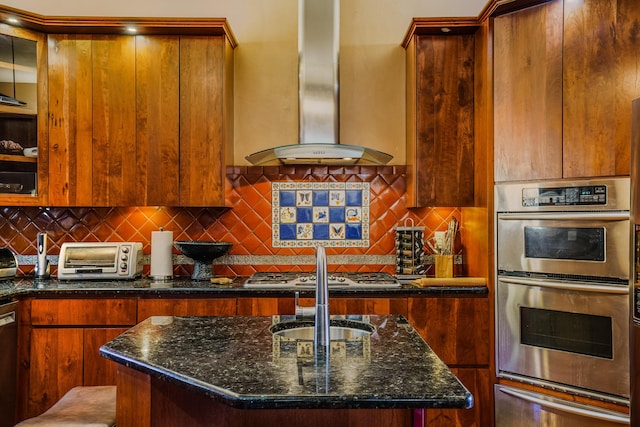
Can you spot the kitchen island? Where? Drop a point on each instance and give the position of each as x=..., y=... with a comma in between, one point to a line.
x=232, y=371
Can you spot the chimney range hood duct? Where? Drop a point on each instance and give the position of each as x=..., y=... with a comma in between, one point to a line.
x=318, y=49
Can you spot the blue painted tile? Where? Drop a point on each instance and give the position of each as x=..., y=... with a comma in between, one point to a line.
x=321, y=231
x=336, y=214
x=353, y=198
x=320, y=197
x=287, y=231
x=353, y=231
x=305, y=215
x=287, y=198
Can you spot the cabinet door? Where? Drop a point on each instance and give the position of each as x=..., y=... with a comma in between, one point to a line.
x=70, y=124
x=440, y=124
x=96, y=369
x=601, y=78
x=527, y=52
x=157, y=120
x=457, y=329
x=55, y=366
x=23, y=116
x=206, y=129
x=186, y=307
x=115, y=168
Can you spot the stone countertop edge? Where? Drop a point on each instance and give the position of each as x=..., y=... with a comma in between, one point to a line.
x=233, y=359
x=27, y=287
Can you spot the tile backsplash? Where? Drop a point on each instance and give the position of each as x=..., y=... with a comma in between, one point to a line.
x=332, y=214
x=247, y=222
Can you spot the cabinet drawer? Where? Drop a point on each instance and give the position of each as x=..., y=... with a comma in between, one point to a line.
x=77, y=312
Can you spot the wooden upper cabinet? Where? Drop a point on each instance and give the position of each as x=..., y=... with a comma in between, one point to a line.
x=157, y=114
x=114, y=121
x=565, y=74
x=70, y=123
x=206, y=125
x=23, y=117
x=440, y=100
x=601, y=78
x=140, y=120
x=527, y=51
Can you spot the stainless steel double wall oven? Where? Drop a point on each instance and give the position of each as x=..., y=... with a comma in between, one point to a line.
x=563, y=284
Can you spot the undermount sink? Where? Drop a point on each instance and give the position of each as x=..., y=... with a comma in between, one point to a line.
x=340, y=330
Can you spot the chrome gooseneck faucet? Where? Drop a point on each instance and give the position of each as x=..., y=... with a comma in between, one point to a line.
x=321, y=338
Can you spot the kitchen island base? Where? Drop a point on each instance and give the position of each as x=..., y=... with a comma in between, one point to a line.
x=145, y=401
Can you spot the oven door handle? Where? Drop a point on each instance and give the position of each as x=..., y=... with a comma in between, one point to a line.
x=574, y=286
x=586, y=216
x=566, y=406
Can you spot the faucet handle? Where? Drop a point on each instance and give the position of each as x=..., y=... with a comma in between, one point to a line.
x=303, y=311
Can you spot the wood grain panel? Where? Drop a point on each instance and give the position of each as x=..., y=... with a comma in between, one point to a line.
x=114, y=121
x=457, y=329
x=628, y=79
x=528, y=94
x=202, y=150
x=590, y=86
x=444, y=120
x=368, y=306
x=268, y=306
x=176, y=407
x=70, y=120
x=55, y=366
x=157, y=120
x=96, y=369
x=478, y=383
x=133, y=399
x=186, y=307
x=83, y=312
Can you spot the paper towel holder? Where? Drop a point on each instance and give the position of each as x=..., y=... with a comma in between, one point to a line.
x=162, y=258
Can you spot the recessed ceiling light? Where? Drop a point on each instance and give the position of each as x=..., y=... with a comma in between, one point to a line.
x=12, y=20
x=131, y=29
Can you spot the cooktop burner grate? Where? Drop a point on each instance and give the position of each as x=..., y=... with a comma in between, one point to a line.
x=374, y=279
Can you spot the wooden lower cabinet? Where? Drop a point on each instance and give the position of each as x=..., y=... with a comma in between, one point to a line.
x=457, y=329
x=340, y=306
x=186, y=307
x=59, y=342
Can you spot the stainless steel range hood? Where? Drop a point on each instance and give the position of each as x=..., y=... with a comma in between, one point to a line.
x=319, y=128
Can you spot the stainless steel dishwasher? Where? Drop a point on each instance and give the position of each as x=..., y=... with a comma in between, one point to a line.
x=8, y=361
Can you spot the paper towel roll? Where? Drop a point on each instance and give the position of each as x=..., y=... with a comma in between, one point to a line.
x=161, y=255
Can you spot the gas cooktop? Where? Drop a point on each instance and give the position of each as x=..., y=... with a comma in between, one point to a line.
x=308, y=280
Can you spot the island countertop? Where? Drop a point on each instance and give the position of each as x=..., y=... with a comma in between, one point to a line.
x=237, y=361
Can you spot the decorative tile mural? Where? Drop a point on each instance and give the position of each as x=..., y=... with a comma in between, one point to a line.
x=333, y=214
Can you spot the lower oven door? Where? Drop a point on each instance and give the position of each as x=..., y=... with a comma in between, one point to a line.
x=517, y=408
x=571, y=334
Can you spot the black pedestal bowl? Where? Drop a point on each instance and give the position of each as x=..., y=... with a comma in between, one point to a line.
x=202, y=253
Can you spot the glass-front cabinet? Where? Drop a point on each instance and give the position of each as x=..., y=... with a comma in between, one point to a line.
x=22, y=122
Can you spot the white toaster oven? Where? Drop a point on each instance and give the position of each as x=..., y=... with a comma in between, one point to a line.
x=100, y=260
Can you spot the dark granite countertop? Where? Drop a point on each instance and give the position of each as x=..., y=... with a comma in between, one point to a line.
x=26, y=287
x=238, y=361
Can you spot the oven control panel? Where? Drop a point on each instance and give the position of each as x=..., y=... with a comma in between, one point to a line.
x=588, y=195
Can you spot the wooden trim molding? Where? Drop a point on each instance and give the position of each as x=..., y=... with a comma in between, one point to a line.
x=119, y=25
x=464, y=25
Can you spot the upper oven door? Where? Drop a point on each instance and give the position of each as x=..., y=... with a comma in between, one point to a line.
x=580, y=244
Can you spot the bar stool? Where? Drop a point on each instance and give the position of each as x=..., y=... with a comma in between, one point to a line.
x=83, y=406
